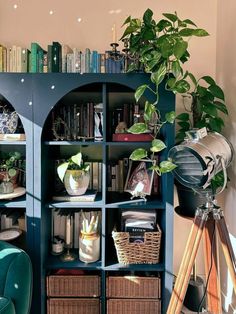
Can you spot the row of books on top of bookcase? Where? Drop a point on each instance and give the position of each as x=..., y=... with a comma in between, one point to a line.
x=57, y=58
x=77, y=122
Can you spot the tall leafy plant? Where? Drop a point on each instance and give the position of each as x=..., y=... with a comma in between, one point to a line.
x=159, y=48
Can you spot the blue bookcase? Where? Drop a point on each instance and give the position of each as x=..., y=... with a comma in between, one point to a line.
x=34, y=96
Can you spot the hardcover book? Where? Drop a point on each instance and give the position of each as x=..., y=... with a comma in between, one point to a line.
x=89, y=196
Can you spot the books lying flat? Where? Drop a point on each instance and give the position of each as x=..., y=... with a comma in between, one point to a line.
x=129, y=137
x=89, y=196
x=12, y=137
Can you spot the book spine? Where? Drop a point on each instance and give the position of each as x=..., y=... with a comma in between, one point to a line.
x=49, y=58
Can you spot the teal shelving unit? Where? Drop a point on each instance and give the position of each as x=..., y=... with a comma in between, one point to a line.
x=34, y=96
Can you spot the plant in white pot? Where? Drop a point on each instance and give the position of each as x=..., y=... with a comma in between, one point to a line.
x=74, y=173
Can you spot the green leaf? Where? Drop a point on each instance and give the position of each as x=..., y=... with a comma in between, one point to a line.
x=158, y=76
x=210, y=109
x=187, y=21
x=186, y=32
x=148, y=34
x=61, y=170
x=171, y=82
x=209, y=80
x=180, y=136
x=127, y=20
x=162, y=24
x=139, y=92
x=182, y=86
x=138, y=128
x=171, y=17
x=183, y=116
x=166, y=48
x=167, y=166
x=147, y=17
x=170, y=116
x=201, y=90
x=217, y=91
x=157, y=146
x=221, y=106
x=215, y=125
x=148, y=111
x=193, y=79
x=129, y=30
x=12, y=172
x=77, y=159
x=176, y=68
x=138, y=154
x=200, y=32
x=179, y=48
x=184, y=125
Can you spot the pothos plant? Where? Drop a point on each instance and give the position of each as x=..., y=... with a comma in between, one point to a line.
x=159, y=48
x=204, y=106
x=9, y=164
x=75, y=162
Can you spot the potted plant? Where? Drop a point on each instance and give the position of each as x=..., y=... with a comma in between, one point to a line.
x=74, y=173
x=10, y=171
x=204, y=106
x=159, y=48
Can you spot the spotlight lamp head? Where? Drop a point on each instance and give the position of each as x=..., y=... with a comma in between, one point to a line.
x=200, y=157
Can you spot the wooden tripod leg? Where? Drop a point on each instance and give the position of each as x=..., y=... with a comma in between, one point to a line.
x=210, y=258
x=186, y=266
x=227, y=249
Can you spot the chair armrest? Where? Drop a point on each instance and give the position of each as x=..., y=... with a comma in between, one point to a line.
x=6, y=306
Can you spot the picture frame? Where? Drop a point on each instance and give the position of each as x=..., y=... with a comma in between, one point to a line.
x=139, y=178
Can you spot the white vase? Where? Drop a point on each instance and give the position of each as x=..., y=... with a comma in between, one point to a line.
x=76, y=182
x=89, y=247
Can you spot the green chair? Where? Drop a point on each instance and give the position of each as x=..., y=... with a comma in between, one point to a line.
x=15, y=280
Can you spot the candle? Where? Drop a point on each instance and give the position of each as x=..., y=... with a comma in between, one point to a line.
x=67, y=230
x=114, y=33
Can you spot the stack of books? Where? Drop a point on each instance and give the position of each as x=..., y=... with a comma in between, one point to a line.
x=137, y=222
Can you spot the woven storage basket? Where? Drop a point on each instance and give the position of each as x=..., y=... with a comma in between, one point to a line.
x=133, y=306
x=73, y=306
x=138, y=253
x=73, y=286
x=133, y=287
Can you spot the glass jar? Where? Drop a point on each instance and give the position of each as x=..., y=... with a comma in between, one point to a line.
x=89, y=247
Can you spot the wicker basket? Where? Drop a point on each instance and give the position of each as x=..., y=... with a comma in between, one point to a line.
x=73, y=306
x=133, y=306
x=133, y=287
x=73, y=286
x=147, y=252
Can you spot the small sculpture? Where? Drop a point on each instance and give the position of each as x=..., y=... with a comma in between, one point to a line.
x=121, y=127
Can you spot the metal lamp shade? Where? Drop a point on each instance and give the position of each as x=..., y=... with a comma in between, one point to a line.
x=198, y=161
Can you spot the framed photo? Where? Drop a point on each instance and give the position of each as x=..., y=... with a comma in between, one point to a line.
x=140, y=178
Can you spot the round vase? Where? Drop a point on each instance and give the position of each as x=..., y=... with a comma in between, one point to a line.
x=76, y=182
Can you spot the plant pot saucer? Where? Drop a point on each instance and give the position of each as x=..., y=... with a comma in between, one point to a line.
x=19, y=191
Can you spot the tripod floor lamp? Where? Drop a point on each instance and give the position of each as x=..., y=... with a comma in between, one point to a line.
x=198, y=159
